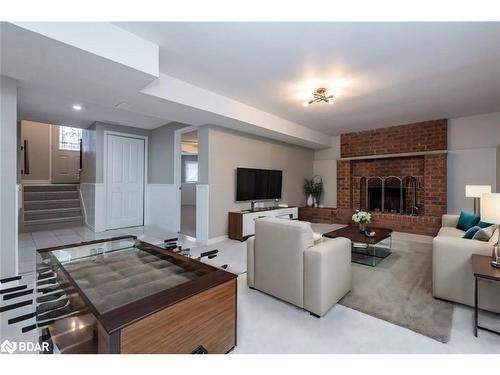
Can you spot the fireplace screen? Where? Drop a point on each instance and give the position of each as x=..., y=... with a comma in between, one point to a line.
x=389, y=194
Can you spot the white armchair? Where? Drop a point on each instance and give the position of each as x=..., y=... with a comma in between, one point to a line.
x=284, y=261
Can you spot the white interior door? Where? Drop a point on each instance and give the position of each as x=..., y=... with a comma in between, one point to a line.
x=65, y=159
x=124, y=181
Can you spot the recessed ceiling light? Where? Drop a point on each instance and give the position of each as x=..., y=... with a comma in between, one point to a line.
x=77, y=107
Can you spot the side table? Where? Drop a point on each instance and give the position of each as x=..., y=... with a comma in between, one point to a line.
x=482, y=269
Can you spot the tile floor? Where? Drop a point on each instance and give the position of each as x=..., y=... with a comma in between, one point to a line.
x=268, y=325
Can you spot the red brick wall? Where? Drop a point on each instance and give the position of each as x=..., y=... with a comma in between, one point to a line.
x=422, y=136
x=344, y=183
x=429, y=169
x=427, y=225
x=435, y=184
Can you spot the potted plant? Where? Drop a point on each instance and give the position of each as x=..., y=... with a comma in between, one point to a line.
x=362, y=218
x=317, y=189
x=308, y=190
x=313, y=189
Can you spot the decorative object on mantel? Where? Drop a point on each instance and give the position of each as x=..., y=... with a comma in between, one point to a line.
x=490, y=212
x=476, y=192
x=313, y=189
x=362, y=218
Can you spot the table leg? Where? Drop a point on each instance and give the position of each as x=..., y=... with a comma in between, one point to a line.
x=475, y=306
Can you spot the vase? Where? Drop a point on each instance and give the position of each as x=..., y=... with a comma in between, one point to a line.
x=309, y=201
x=362, y=227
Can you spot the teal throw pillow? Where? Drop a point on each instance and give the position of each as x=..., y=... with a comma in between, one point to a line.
x=467, y=220
x=471, y=232
x=483, y=224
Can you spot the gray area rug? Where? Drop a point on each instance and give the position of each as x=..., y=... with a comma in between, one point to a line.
x=399, y=290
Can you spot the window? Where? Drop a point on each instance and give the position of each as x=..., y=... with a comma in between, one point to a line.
x=191, y=171
x=69, y=138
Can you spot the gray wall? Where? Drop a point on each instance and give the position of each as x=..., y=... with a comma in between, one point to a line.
x=38, y=136
x=8, y=177
x=472, y=157
x=228, y=150
x=325, y=165
x=99, y=143
x=160, y=148
x=203, y=140
x=88, y=174
x=161, y=153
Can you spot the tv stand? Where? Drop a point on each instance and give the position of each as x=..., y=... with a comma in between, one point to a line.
x=242, y=223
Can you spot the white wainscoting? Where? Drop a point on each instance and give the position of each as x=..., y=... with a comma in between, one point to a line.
x=87, y=197
x=100, y=208
x=93, y=197
x=202, y=202
x=160, y=206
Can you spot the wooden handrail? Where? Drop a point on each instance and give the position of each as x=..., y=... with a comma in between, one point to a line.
x=26, y=157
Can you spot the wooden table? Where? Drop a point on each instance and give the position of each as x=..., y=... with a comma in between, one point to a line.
x=482, y=269
x=364, y=249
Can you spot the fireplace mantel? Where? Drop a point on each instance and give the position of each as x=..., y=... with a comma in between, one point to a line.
x=400, y=155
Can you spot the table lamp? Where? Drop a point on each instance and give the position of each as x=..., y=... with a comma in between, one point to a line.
x=476, y=191
x=490, y=212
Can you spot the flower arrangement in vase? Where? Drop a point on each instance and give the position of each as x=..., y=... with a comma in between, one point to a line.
x=362, y=218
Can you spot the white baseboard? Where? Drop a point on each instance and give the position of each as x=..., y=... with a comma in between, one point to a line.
x=211, y=241
x=90, y=227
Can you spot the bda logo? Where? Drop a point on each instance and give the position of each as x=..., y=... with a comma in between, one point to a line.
x=8, y=347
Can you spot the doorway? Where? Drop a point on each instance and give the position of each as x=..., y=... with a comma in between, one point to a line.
x=189, y=181
x=124, y=178
x=65, y=154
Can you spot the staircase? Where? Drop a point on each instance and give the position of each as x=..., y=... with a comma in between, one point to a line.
x=48, y=207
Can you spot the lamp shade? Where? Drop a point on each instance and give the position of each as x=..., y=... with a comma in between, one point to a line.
x=477, y=191
x=490, y=208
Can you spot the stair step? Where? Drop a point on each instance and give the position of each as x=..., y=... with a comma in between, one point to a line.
x=52, y=213
x=51, y=204
x=51, y=224
x=54, y=220
x=50, y=195
x=54, y=187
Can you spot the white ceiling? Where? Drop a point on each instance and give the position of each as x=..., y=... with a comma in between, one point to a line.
x=52, y=76
x=37, y=103
x=388, y=73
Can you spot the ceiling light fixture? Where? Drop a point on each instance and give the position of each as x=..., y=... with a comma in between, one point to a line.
x=320, y=95
x=77, y=107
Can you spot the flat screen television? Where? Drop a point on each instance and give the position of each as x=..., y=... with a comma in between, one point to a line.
x=257, y=184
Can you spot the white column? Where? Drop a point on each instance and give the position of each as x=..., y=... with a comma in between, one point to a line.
x=8, y=177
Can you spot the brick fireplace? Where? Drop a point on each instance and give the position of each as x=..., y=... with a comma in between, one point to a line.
x=397, y=173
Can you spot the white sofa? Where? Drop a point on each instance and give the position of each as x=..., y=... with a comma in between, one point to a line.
x=452, y=277
x=284, y=261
